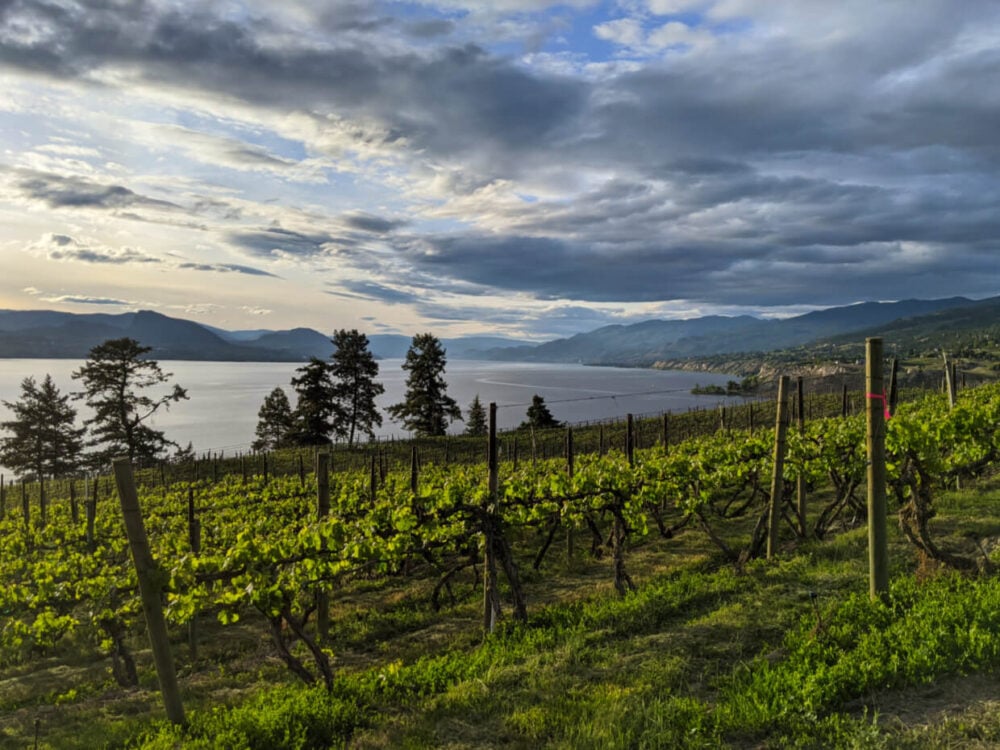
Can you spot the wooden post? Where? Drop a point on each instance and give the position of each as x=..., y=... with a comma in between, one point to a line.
x=243, y=468
x=194, y=542
x=893, y=386
x=515, y=453
x=90, y=509
x=878, y=545
x=414, y=470
x=949, y=382
x=844, y=403
x=491, y=593
x=666, y=432
x=750, y=424
x=43, y=504
x=74, y=510
x=302, y=472
x=150, y=589
x=722, y=417
x=600, y=441
x=630, y=439
x=570, y=460
x=322, y=511
x=800, y=483
x=264, y=456
x=777, y=475
x=25, y=506
x=372, y=480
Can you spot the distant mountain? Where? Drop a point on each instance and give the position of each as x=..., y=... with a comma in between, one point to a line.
x=653, y=340
x=57, y=335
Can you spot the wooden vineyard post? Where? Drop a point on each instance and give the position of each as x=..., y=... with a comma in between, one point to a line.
x=844, y=402
x=491, y=593
x=74, y=509
x=893, y=386
x=90, y=510
x=949, y=382
x=666, y=432
x=630, y=439
x=777, y=476
x=302, y=472
x=372, y=481
x=414, y=470
x=243, y=468
x=750, y=424
x=322, y=511
x=194, y=542
x=600, y=441
x=264, y=456
x=43, y=504
x=150, y=590
x=878, y=545
x=25, y=505
x=800, y=483
x=570, y=460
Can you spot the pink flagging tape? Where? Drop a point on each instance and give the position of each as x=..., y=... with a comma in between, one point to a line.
x=885, y=403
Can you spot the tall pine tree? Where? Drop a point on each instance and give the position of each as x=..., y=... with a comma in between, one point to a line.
x=539, y=416
x=44, y=440
x=428, y=408
x=115, y=380
x=315, y=413
x=275, y=425
x=475, y=419
x=354, y=370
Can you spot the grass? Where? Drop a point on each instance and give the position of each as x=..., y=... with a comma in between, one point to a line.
x=788, y=653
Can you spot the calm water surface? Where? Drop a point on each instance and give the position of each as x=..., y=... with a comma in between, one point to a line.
x=224, y=397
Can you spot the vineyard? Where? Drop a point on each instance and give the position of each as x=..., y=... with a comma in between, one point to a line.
x=247, y=548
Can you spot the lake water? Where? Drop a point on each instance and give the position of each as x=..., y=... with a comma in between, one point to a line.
x=224, y=397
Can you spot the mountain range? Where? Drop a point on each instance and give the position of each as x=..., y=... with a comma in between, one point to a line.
x=50, y=334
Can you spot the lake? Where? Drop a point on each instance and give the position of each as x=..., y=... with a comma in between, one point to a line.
x=224, y=397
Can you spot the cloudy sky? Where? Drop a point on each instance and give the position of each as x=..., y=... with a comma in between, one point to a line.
x=521, y=167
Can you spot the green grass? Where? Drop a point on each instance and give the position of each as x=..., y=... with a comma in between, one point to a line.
x=788, y=653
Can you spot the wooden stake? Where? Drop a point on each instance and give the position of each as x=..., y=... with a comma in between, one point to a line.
x=322, y=511
x=800, y=484
x=630, y=439
x=777, y=475
x=150, y=589
x=491, y=593
x=878, y=545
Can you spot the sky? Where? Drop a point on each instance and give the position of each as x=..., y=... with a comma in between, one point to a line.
x=523, y=168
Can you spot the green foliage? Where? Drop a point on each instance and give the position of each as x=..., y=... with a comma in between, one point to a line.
x=427, y=408
x=292, y=719
x=114, y=378
x=44, y=439
x=539, y=416
x=316, y=411
x=354, y=370
x=275, y=422
x=475, y=419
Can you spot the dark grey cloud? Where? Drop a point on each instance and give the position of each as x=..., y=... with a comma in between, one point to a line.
x=430, y=29
x=747, y=173
x=225, y=268
x=75, y=192
x=275, y=241
x=371, y=290
x=373, y=224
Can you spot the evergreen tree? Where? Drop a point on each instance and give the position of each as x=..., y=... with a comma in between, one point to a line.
x=539, y=416
x=427, y=408
x=475, y=421
x=275, y=425
x=316, y=413
x=114, y=378
x=354, y=370
x=44, y=440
